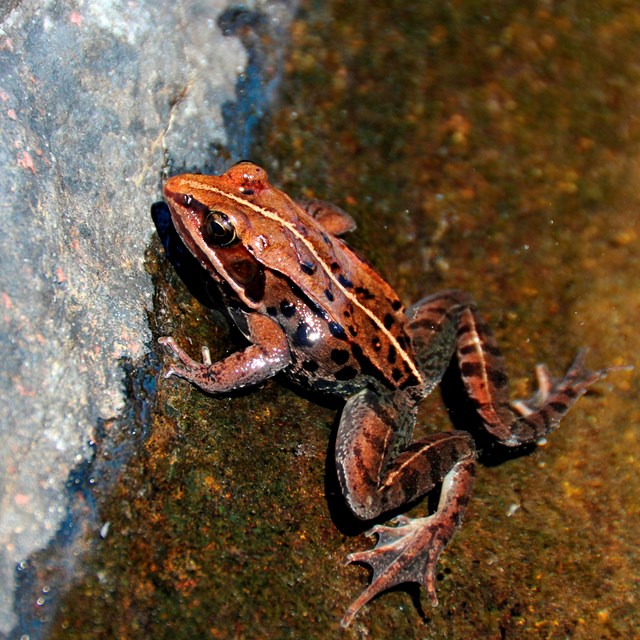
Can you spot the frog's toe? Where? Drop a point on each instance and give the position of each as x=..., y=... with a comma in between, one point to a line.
x=168, y=343
x=177, y=371
x=356, y=556
x=541, y=414
x=522, y=407
x=199, y=373
x=544, y=379
x=172, y=348
x=170, y=372
x=579, y=377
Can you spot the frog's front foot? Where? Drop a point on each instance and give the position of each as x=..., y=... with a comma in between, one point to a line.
x=407, y=552
x=188, y=368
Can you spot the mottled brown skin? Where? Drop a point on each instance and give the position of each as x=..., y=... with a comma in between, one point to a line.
x=314, y=309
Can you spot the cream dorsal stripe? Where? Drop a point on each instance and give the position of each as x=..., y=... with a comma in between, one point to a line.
x=272, y=215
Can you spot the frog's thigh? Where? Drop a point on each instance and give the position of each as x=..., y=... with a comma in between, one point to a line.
x=372, y=481
x=433, y=325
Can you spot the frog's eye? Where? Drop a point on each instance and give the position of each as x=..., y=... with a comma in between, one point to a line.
x=218, y=230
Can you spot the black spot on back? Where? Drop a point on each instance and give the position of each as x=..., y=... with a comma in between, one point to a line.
x=297, y=291
x=302, y=336
x=317, y=309
x=346, y=373
x=357, y=351
x=365, y=365
x=287, y=308
x=340, y=356
x=364, y=293
x=337, y=331
x=411, y=381
x=344, y=281
x=310, y=365
x=308, y=267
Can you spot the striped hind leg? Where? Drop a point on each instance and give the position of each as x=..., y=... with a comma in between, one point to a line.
x=448, y=321
x=375, y=478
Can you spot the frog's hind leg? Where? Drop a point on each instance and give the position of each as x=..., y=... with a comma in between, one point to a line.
x=512, y=423
x=433, y=326
x=379, y=472
x=375, y=480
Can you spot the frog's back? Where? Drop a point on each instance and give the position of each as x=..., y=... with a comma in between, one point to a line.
x=356, y=318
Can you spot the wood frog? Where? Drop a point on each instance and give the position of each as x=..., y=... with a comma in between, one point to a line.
x=316, y=311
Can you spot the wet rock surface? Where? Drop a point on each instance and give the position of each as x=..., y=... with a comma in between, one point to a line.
x=94, y=99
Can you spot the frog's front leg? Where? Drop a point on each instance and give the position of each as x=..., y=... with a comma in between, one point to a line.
x=376, y=477
x=268, y=354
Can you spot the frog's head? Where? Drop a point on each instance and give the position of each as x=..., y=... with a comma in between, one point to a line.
x=212, y=215
x=238, y=226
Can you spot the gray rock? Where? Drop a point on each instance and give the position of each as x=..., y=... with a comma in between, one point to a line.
x=93, y=99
